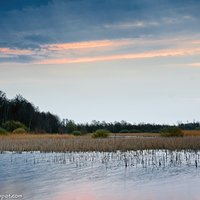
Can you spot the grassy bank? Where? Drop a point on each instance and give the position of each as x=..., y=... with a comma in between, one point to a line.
x=62, y=143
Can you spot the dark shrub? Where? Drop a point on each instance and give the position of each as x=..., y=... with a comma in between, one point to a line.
x=172, y=132
x=76, y=133
x=134, y=131
x=124, y=131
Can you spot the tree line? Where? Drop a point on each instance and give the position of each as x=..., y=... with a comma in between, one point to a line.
x=21, y=110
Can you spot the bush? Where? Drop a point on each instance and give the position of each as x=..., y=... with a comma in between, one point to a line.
x=101, y=133
x=124, y=131
x=12, y=125
x=76, y=133
x=172, y=132
x=3, y=131
x=19, y=130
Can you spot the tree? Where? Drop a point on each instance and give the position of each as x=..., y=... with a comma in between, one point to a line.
x=71, y=126
x=4, y=104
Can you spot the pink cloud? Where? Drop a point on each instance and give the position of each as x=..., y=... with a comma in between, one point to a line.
x=108, y=43
x=10, y=51
x=84, y=45
x=150, y=54
x=108, y=50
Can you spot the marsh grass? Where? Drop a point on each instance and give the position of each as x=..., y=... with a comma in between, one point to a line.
x=172, y=132
x=64, y=143
x=192, y=133
x=144, y=134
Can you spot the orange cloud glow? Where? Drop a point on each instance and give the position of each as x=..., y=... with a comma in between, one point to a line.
x=151, y=54
x=15, y=51
x=84, y=45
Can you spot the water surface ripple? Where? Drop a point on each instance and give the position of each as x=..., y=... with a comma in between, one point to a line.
x=137, y=175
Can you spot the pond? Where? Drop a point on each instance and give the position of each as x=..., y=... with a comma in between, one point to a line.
x=137, y=175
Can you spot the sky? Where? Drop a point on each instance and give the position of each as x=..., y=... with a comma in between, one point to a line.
x=111, y=60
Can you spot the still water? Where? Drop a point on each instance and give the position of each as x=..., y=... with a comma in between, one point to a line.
x=134, y=175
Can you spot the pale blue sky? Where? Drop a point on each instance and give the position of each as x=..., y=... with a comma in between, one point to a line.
x=109, y=60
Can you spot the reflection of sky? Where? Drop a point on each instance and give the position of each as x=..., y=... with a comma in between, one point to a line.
x=104, y=60
x=47, y=178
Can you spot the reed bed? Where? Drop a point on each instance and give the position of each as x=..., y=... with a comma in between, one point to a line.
x=63, y=143
x=145, y=134
x=137, y=159
x=192, y=133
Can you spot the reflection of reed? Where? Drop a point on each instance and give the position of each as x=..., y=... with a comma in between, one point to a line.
x=137, y=159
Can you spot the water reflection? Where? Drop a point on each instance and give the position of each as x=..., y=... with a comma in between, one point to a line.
x=141, y=175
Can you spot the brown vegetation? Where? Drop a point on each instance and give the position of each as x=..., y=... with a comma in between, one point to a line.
x=136, y=134
x=192, y=133
x=63, y=143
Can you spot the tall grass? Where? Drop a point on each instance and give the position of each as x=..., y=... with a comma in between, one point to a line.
x=63, y=143
x=172, y=132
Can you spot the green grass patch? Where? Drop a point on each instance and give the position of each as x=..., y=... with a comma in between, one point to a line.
x=3, y=131
x=19, y=130
x=101, y=133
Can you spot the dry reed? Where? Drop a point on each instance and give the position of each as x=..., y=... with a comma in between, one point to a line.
x=64, y=143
